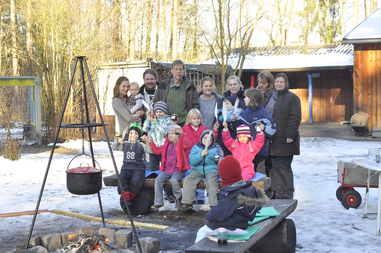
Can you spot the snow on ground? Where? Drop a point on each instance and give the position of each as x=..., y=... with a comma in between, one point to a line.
x=322, y=223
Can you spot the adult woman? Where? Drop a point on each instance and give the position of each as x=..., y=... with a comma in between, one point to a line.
x=209, y=99
x=235, y=88
x=285, y=108
x=120, y=107
x=266, y=85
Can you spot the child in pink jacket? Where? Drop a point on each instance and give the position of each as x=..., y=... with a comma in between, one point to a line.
x=244, y=148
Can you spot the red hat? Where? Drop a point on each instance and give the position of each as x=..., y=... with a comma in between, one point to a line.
x=229, y=170
x=243, y=129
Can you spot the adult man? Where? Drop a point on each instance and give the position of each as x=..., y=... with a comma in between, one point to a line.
x=148, y=89
x=178, y=92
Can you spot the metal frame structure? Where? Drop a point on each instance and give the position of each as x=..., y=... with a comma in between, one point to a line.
x=83, y=125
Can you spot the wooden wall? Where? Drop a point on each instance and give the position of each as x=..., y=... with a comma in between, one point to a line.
x=332, y=93
x=367, y=82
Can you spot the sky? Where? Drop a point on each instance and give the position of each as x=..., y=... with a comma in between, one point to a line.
x=322, y=223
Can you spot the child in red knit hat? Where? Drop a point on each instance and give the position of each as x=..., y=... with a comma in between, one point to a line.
x=238, y=201
x=244, y=148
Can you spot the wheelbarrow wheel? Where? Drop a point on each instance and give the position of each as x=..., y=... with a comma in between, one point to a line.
x=340, y=191
x=351, y=199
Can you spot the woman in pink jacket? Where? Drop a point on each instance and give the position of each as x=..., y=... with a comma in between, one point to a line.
x=244, y=148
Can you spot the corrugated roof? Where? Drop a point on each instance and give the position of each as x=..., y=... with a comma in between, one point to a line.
x=368, y=31
x=334, y=55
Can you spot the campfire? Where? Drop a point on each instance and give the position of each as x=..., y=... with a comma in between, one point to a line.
x=88, y=244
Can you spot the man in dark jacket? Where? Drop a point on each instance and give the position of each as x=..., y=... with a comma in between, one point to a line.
x=148, y=89
x=238, y=201
x=178, y=92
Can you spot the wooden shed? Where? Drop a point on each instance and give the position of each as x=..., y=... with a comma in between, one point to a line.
x=366, y=38
x=319, y=74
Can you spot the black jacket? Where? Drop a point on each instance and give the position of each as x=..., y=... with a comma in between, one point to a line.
x=287, y=115
x=237, y=205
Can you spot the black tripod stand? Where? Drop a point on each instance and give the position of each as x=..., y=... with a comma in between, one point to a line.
x=83, y=125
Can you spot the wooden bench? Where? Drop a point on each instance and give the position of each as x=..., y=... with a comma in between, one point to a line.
x=145, y=198
x=275, y=234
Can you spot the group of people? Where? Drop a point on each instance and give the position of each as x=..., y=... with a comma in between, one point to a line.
x=181, y=132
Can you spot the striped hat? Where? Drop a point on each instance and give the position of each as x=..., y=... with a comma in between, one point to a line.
x=162, y=106
x=243, y=129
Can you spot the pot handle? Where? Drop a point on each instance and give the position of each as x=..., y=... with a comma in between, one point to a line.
x=81, y=163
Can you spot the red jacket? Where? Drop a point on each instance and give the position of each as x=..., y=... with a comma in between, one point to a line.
x=182, y=161
x=241, y=151
x=194, y=136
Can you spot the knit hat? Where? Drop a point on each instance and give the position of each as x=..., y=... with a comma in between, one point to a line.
x=162, y=106
x=229, y=170
x=232, y=99
x=134, y=126
x=174, y=128
x=243, y=129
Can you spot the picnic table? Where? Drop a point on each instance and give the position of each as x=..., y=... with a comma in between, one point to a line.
x=276, y=234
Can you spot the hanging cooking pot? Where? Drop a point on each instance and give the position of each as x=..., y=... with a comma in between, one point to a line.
x=83, y=180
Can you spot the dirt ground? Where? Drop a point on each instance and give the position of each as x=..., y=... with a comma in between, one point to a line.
x=181, y=234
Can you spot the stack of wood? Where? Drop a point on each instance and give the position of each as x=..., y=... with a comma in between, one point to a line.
x=10, y=150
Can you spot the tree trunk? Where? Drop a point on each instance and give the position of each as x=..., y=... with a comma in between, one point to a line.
x=175, y=28
x=164, y=21
x=195, y=26
x=288, y=22
x=149, y=29
x=355, y=13
x=365, y=9
x=133, y=30
x=158, y=22
x=124, y=32
x=13, y=34
x=374, y=5
x=341, y=18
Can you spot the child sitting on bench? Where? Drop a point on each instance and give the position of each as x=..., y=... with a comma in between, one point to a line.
x=174, y=163
x=238, y=201
x=202, y=158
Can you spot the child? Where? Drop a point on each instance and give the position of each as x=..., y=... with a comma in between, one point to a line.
x=135, y=99
x=204, y=166
x=243, y=149
x=256, y=113
x=157, y=128
x=173, y=165
x=230, y=102
x=194, y=128
x=132, y=174
x=238, y=201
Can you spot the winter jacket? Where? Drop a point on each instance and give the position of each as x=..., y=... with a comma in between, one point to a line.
x=206, y=164
x=242, y=152
x=158, y=129
x=249, y=117
x=181, y=157
x=287, y=115
x=146, y=96
x=193, y=135
x=190, y=89
x=237, y=205
x=123, y=114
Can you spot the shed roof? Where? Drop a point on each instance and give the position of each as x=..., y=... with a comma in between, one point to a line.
x=368, y=31
x=293, y=58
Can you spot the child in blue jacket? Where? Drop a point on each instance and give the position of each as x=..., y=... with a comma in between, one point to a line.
x=204, y=166
x=256, y=113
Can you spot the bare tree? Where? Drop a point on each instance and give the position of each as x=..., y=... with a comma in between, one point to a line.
x=355, y=12
x=13, y=34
